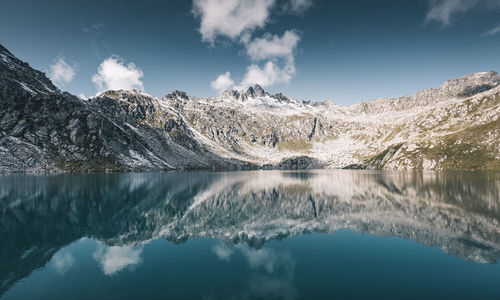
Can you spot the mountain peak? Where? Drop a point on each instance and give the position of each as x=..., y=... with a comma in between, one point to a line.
x=470, y=84
x=255, y=91
x=19, y=76
x=176, y=94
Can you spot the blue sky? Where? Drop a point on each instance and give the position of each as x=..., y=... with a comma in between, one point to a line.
x=313, y=50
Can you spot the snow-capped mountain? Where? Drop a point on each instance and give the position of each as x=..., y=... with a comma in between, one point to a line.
x=455, y=126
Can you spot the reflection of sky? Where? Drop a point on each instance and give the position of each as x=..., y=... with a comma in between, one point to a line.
x=341, y=264
x=278, y=266
x=422, y=208
x=63, y=262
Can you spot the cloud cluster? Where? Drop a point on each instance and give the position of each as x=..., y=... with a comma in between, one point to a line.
x=60, y=72
x=272, y=56
x=222, y=83
x=230, y=18
x=277, y=53
x=114, y=74
x=442, y=11
x=271, y=73
x=273, y=46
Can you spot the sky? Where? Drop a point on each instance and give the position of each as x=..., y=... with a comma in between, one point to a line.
x=344, y=51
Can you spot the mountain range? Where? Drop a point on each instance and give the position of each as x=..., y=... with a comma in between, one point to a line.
x=42, y=129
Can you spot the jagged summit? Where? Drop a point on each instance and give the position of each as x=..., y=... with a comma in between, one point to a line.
x=255, y=91
x=256, y=95
x=176, y=94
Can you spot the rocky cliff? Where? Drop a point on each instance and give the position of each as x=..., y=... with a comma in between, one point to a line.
x=455, y=126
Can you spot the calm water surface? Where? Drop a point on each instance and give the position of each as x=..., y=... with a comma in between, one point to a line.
x=251, y=235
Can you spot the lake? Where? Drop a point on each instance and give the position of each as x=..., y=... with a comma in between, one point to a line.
x=320, y=234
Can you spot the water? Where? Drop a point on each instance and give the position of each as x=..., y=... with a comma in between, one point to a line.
x=251, y=235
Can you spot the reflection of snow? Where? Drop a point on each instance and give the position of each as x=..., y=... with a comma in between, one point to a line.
x=63, y=262
x=115, y=258
x=222, y=251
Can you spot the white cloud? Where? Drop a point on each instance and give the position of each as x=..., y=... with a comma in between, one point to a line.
x=273, y=46
x=268, y=75
x=280, y=64
x=492, y=31
x=299, y=6
x=63, y=262
x=272, y=56
x=222, y=83
x=271, y=73
x=115, y=258
x=113, y=74
x=442, y=11
x=60, y=72
x=230, y=18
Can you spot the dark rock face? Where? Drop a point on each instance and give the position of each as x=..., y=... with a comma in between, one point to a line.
x=255, y=91
x=45, y=130
x=297, y=163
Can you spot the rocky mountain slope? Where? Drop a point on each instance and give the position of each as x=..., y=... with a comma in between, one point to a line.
x=43, y=129
x=455, y=126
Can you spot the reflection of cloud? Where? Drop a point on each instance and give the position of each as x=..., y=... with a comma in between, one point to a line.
x=115, y=258
x=269, y=259
x=222, y=251
x=277, y=283
x=63, y=262
x=273, y=272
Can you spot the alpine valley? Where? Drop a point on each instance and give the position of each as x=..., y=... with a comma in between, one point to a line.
x=42, y=129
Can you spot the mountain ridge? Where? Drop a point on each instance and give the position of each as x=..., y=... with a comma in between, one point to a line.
x=454, y=126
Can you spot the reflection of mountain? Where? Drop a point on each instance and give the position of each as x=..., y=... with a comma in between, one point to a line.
x=458, y=212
